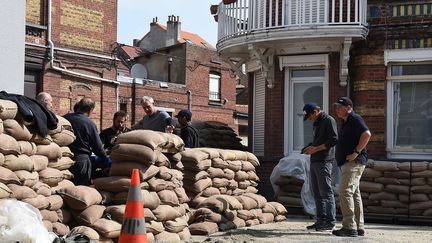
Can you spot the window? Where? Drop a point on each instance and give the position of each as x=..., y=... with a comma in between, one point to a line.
x=214, y=87
x=31, y=81
x=410, y=111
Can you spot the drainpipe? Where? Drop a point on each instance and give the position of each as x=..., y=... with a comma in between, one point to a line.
x=189, y=93
x=64, y=70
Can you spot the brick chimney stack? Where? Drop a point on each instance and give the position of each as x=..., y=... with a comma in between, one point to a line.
x=173, y=30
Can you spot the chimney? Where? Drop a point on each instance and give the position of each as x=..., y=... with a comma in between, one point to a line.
x=173, y=30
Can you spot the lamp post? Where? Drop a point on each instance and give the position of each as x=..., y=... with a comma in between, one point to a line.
x=170, y=60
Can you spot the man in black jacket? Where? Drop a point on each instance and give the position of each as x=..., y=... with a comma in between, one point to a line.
x=87, y=141
x=322, y=153
x=189, y=134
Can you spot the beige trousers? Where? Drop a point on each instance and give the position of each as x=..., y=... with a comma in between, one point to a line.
x=349, y=195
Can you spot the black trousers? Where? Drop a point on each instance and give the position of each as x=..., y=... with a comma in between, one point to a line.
x=81, y=170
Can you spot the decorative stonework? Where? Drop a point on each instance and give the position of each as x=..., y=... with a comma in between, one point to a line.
x=81, y=41
x=366, y=85
x=81, y=18
x=33, y=11
x=369, y=110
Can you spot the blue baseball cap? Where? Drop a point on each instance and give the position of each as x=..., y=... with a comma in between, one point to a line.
x=308, y=109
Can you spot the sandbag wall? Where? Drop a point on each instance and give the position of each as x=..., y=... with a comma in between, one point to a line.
x=392, y=188
x=34, y=169
x=218, y=136
x=222, y=187
x=165, y=201
x=289, y=193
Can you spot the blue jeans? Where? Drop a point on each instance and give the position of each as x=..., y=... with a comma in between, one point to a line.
x=321, y=184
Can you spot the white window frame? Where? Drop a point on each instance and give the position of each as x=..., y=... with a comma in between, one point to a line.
x=295, y=63
x=401, y=153
x=218, y=77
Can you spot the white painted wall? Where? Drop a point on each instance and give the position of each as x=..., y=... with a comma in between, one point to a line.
x=12, y=45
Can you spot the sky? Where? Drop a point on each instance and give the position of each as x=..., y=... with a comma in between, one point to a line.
x=135, y=16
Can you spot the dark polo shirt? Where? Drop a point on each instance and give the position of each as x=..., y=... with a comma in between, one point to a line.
x=349, y=137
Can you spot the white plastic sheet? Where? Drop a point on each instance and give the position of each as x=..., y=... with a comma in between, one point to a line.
x=21, y=222
x=296, y=165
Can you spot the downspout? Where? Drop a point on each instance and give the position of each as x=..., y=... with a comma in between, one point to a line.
x=64, y=70
x=189, y=93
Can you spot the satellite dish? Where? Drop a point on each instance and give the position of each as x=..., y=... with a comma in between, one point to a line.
x=139, y=71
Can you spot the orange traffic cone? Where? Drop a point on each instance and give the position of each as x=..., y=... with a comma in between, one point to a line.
x=133, y=229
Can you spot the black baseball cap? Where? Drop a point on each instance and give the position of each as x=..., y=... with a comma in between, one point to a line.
x=308, y=109
x=184, y=113
x=345, y=101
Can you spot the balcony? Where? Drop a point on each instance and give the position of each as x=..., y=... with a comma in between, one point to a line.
x=273, y=22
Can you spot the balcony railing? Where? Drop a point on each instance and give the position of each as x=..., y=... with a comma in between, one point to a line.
x=247, y=16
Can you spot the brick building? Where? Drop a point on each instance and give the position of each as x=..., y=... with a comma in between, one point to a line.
x=180, y=70
x=69, y=53
x=376, y=52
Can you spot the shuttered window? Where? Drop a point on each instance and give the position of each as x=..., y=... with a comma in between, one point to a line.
x=304, y=12
x=259, y=114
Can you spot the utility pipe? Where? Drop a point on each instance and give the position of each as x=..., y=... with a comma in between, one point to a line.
x=189, y=93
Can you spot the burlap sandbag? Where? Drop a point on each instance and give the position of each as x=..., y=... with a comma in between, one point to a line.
x=193, y=156
x=385, y=166
x=247, y=166
x=52, y=151
x=215, y=172
x=42, y=189
x=51, y=176
x=27, y=148
x=220, y=182
x=67, y=174
x=21, y=192
x=198, y=166
x=234, y=165
x=422, y=189
x=20, y=162
x=420, y=205
x=1, y=126
x=165, y=236
x=206, y=214
x=184, y=235
x=40, y=162
x=62, y=124
x=2, y=159
x=48, y=225
x=165, y=173
x=66, y=152
x=253, y=159
x=157, y=184
x=177, y=225
x=418, y=181
x=27, y=178
x=196, y=176
x=226, y=154
x=89, y=215
x=63, y=163
x=247, y=202
x=174, y=144
x=203, y=228
x=366, y=186
x=16, y=130
x=49, y=215
x=63, y=138
x=168, y=197
x=399, y=189
x=5, y=192
x=202, y=184
x=419, y=166
x=62, y=184
x=39, y=140
x=148, y=138
x=80, y=197
x=65, y=216
x=165, y=213
x=253, y=176
x=8, y=177
x=393, y=204
x=112, y=183
x=212, y=152
x=8, y=109
x=219, y=163
x=371, y=173
x=39, y=202
x=422, y=174
x=220, y=203
x=387, y=181
x=398, y=174
x=87, y=231
x=419, y=197
x=251, y=189
x=9, y=145
x=268, y=208
x=241, y=175
x=262, y=201
x=154, y=227
x=280, y=218
x=116, y=212
x=151, y=199
x=107, y=228
x=210, y=191
x=281, y=210
x=55, y=202
x=133, y=153
x=125, y=169
x=383, y=196
x=245, y=214
x=181, y=195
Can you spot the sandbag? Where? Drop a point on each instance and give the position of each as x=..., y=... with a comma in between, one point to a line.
x=80, y=197
x=133, y=153
x=5, y=192
x=40, y=162
x=9, y=145
x=89, y=215
x=39, y=202
x=21, y=192
x=63, y=163
x=87, y=231
x=27, y=178
x=55, y=202
x=165, y=213
x=8, y=177
x=16, y=130
x=8, y=109
x=63, y=138
x=148, y=138
x=203, y=228
x=107, y=228
x=42, y=189
x=51, y=176
x=52, y=151
x=27, y=148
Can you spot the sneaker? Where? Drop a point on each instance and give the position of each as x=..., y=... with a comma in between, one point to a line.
x=360, y=232
x=325, y=227
x=345, y=232
x=311, y=227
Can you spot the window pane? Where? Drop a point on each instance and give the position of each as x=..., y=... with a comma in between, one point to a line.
x=214, y=87
x=421, y=69
x=307, y=73
x=413, y=115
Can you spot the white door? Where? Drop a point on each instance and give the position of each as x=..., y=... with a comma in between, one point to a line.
x=305, y=85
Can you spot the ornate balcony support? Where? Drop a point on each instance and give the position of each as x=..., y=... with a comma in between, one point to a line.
x=344, y=58
x=265, y=57
x=236, y=66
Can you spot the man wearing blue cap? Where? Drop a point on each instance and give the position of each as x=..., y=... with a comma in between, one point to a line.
x=322, y=151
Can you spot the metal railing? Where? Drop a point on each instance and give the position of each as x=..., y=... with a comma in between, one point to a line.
x=214, y=96
x=245, y=16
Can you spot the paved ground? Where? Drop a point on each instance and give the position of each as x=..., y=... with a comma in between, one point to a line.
x=293, y=230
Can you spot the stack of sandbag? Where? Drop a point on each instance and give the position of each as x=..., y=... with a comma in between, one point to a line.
x=218, y=136
x=34, y=168
x=222, y=186
x=289, y=193
x=165, y=201
x=394, y=188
